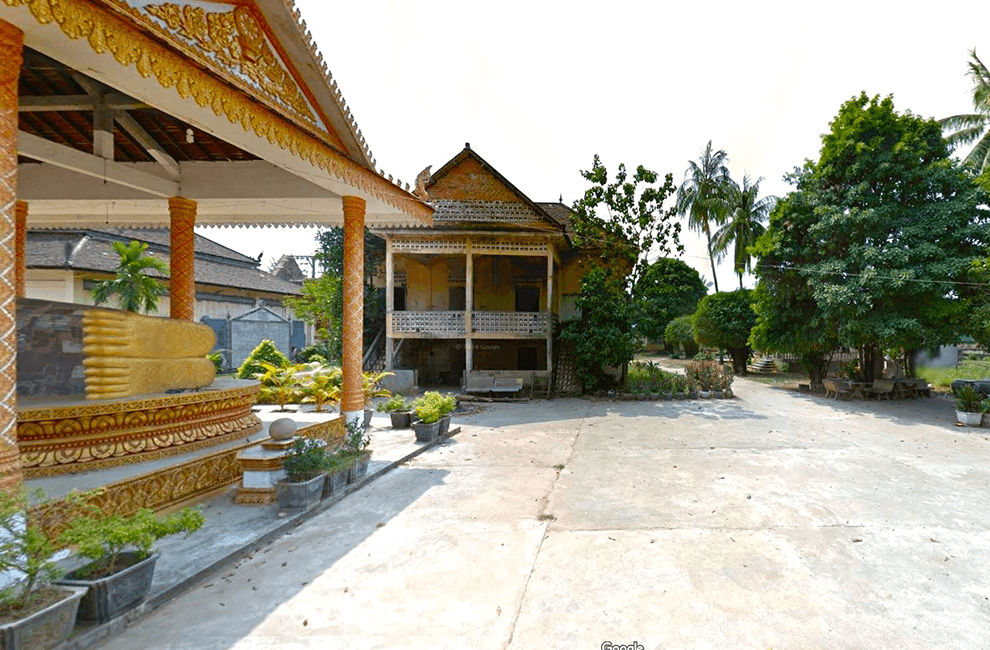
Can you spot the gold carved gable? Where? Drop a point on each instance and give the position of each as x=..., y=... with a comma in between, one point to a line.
x=235, y=41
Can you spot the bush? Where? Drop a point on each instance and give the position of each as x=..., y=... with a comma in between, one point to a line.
x=396, y=403
x=680, y=332
x=216, y=358
x=265, y=352
x=25, y=549
x=306, y=459
x=709, y=374
x=322, y=351
x=725, y=320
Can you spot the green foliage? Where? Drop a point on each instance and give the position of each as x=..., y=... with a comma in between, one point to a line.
x=746, y=213
x=432, y=406
x=265, y=352
x=428, y=412
x=356, y=440
x=603, y=337
x=278, y=384
x=396, y=403
x=648, y=377
x=306, y=459
x=703, y=196
x=725, y=320
x=102, y=537
x=330, y=252
x=322, y=306
x=134, y=288
x=667, y=289
x=25, y=549
x=371, y=385
x=864, y=252
x=709, y=374
x=973, y=127
x=637, y=222
x=216, y=358
x=680, y=332
x=321, y=387
x=969, y=369
x=968, y=400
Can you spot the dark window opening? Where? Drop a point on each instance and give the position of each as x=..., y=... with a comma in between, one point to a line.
x=456, y=299
x=399, y=298
x=527, y=299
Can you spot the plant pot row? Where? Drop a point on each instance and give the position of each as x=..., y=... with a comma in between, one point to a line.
x=306, y=494
x=429, y=431
x=657, y=397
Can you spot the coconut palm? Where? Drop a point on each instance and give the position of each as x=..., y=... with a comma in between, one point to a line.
x=973, y=127
x=134, y=288
x=746, y=216
x=702, y=195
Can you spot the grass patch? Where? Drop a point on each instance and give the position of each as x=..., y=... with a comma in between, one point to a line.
x=965, y=370
x=558, y=467
x=546, y=516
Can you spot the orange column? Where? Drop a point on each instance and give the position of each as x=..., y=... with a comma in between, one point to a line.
x=11, y=53
x=352, y=399
x=182, y=282
x=20, y=232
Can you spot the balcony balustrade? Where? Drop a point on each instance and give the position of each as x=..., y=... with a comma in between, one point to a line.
x=450, y=324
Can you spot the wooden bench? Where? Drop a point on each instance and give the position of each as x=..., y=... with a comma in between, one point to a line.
x=479, y=384
x=507, y=385
x=881, y=388
x=836, y=388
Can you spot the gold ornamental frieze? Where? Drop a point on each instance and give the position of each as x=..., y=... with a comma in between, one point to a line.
x=59, y=440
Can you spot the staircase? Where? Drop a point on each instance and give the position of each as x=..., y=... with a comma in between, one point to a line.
x=763, y=366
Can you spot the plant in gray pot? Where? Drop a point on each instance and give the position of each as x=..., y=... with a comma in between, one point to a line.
x=969, y=406
x=338, y=470
x=34, y=615
x=305, y=469
x=398, y=410
x=356, y=450
x=448, y=404
x=119, y=549
x=427, y=426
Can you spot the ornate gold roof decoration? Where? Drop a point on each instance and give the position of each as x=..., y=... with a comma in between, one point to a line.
x=236, y=41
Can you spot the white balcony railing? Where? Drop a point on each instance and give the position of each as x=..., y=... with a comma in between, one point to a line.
x=451, y=323
x=510, y=322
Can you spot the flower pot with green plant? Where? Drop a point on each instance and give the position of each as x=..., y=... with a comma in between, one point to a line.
x=279, y=385
x=372, y=389
x=321, y=388
x=337, y=471
x=118, y=547
x=305, y=468
x=969, y=406
x=399, y=411
x=427, y=426
x=448, y=404
x=355, y=449
x=34, y=614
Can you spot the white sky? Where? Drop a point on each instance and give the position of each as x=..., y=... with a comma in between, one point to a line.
x=539, y=87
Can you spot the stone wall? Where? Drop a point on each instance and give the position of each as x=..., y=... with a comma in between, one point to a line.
x=49, y=348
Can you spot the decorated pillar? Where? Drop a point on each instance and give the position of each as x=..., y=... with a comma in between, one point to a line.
x=182, y=283
x=20, y=233
x=11, y=53
x=352, y=397
x=389, y=304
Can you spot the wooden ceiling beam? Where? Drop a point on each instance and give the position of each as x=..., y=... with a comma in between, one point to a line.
x=115, y=101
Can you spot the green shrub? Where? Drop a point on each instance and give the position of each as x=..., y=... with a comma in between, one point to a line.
x=306, y=459
x=680, y=332
x=396, y=403
x=725, y=320
x=356, y=441
x=24, y=549
x=265, y=352
x=101, y=537
x=216, y=358
x=968, y=400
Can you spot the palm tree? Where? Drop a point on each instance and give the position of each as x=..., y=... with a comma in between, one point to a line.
x=747, y=214
x=702, y=195
x=134, y=288
x=973, y=127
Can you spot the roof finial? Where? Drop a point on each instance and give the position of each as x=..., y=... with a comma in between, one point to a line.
x=561, y=199
x=467, y=145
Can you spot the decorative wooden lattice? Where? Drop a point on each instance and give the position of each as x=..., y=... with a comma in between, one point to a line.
x=440, y=323
x=453, y=247
x=509, y=322
x=434, y=246
x=484, y=211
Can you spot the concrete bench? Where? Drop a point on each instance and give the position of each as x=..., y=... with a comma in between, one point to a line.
x=507, y=385
x=881, y=388
x=479, y=384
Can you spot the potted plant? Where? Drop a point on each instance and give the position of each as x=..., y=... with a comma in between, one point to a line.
x=279, y=385
x=427, y=426
x=34, y=615
x=969, y=406
x=122, y=563
x=338, y=469
x=691, y=385
x=305, y=467
x=373, y=390
x=447, y=404
x=356, y=451
x=321, y=388
x=398, y=410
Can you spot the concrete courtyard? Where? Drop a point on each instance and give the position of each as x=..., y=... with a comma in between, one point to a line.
x=773, y=520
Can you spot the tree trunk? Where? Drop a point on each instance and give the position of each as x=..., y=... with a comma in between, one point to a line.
x=909, y=368
x=816, y=365
x=711, y=258
x=871, y=357
x=739, y=358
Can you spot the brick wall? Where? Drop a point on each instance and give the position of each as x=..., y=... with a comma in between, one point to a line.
x=469, y=181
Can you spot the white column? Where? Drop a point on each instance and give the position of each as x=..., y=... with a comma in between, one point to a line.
x=549, y=307
x=389, y=302
x=468, y=308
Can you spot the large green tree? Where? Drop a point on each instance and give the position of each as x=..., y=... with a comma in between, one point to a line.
x=625, y=218
x=747, y=213
x=322, y=306
x=725, y=320
x=702, y=196
x=134, y=288
x=667, y=289
x=967, y=128
x=867, y=251
x=330, y=253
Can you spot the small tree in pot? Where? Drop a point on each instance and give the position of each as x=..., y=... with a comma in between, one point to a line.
x=356, y=450
x=969, y=406
x=372, y=389
x=305, y=467
x=399, y=411
x=427, y=427
x=119, y=549
x=33, y=614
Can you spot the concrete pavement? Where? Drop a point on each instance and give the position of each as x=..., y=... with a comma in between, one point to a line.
x=772, y=520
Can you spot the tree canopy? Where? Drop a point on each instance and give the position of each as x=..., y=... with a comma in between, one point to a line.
x=702, y=197
x=625, y=218
x=725, y=320
x=867, y=250
x=667, y=289
x=134, y=288
x=970, y=128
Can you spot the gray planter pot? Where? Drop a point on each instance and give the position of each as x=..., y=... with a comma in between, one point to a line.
x=360, y=468
x=654, y=397
x=401, y=419
x=110, y=597
x=693, y=394
x=969, y=419
x=444, y=425
x=705, y=394
x=335, y=482
x=44, y=629
x=717, y=394
x=300, y=496
x=367, y=417
x=669, y=395
x=680, y=395
x=426, y=432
